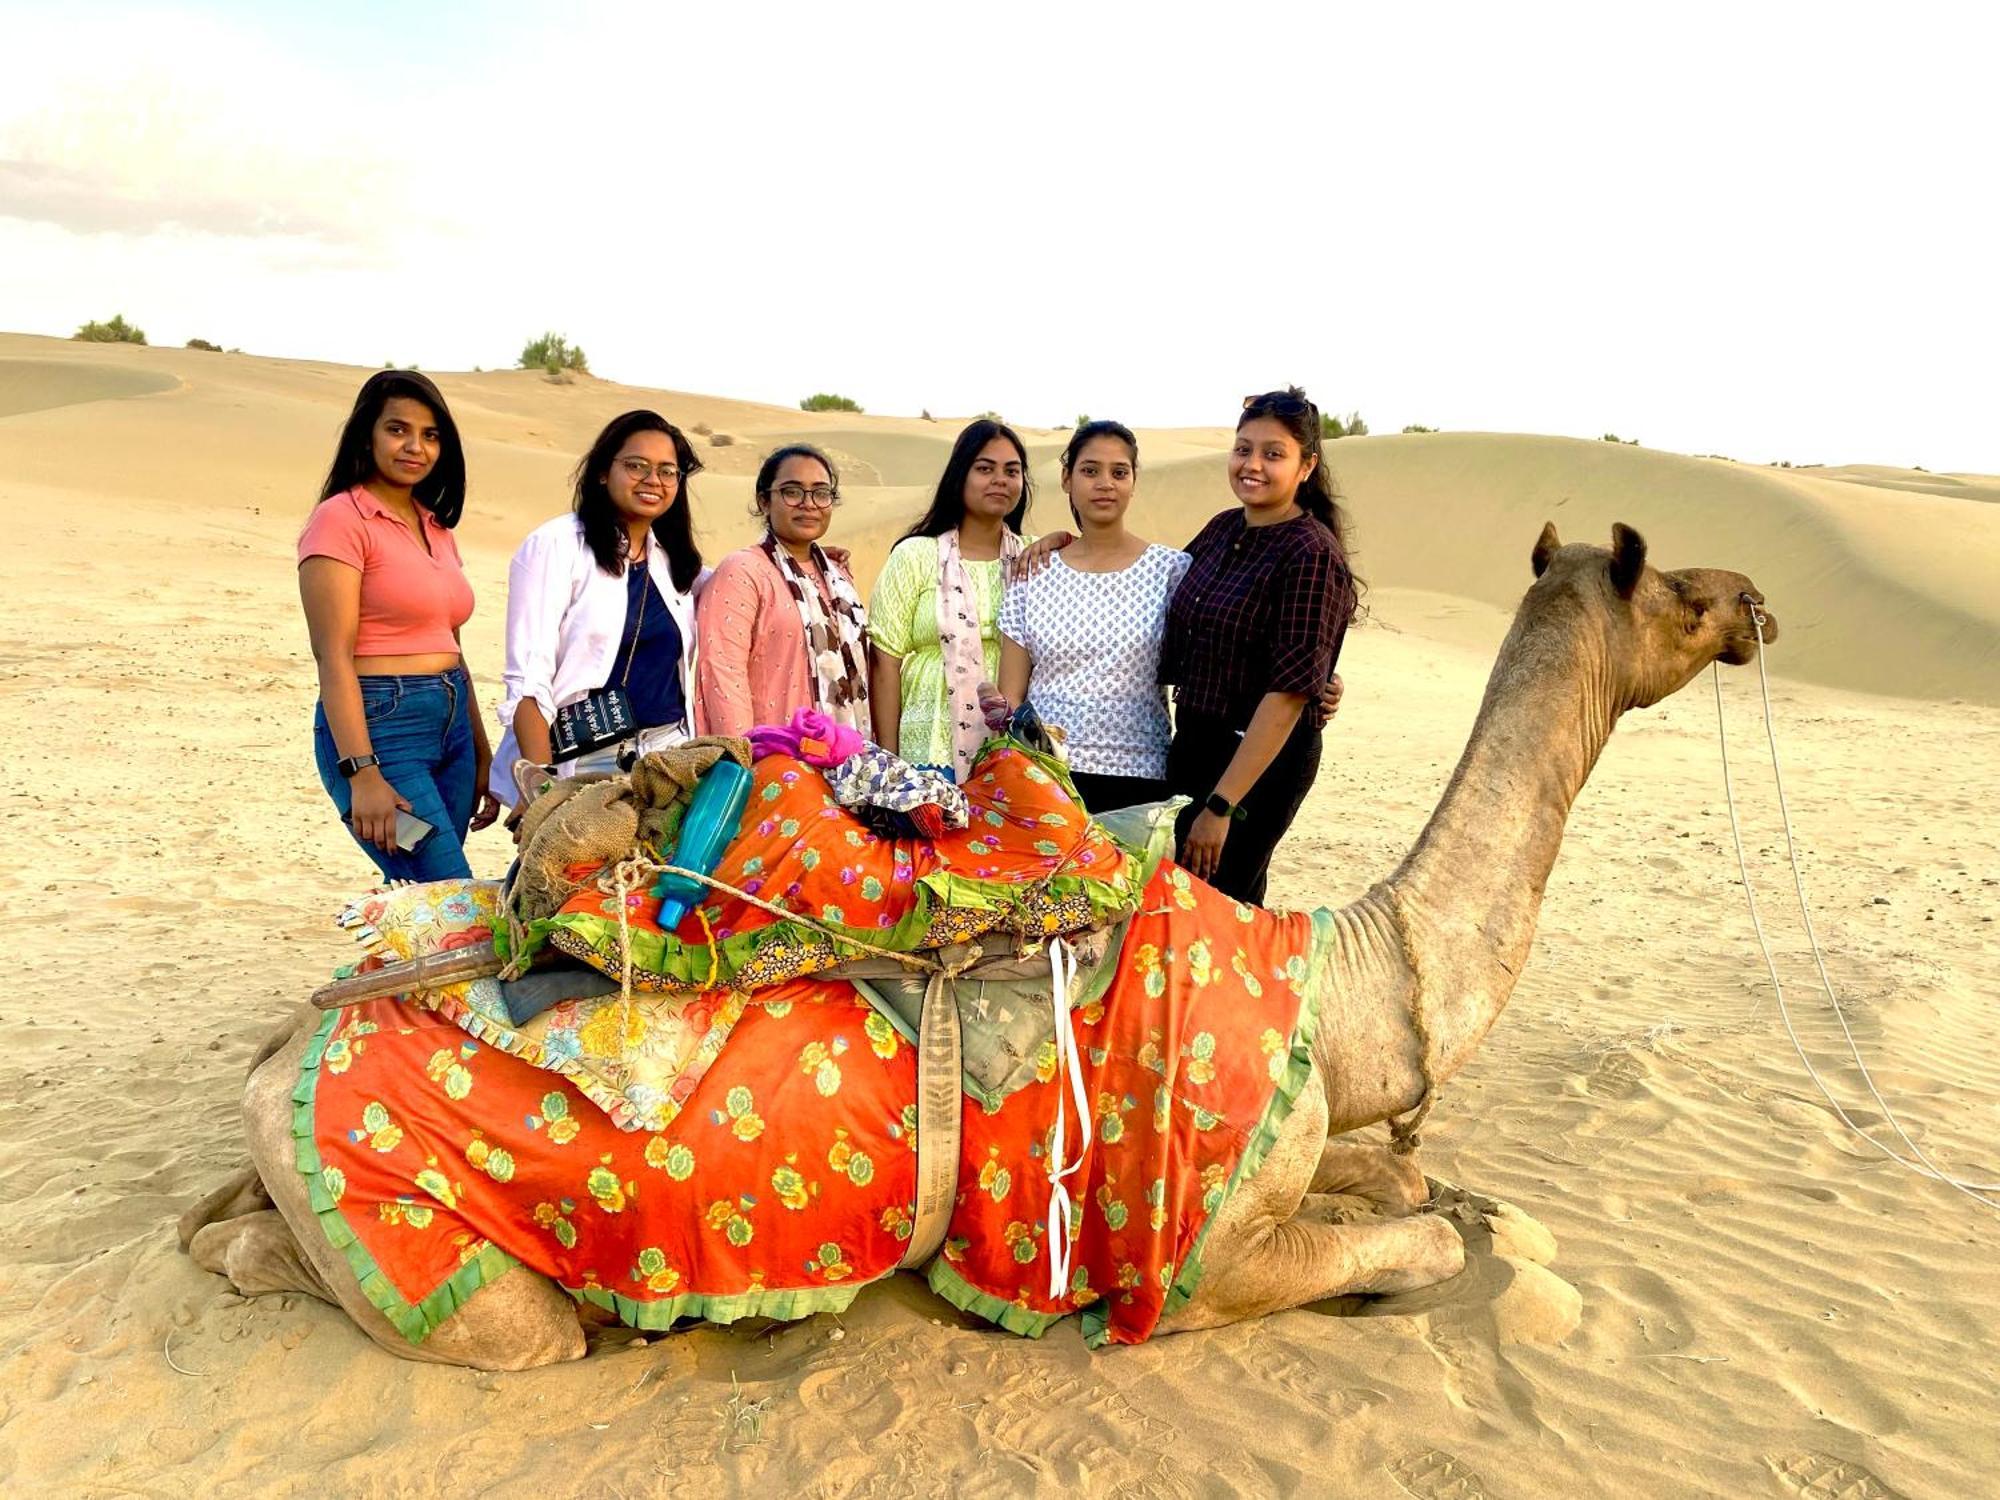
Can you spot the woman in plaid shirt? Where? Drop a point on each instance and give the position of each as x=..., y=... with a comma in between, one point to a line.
x=1253, y=634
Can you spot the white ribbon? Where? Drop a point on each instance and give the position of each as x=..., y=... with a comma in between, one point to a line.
x=1062, y=977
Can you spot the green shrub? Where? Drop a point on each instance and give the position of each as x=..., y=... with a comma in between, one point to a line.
x=117, y=331
x=1332, y=425
x=1612, y=437
x=555, y=354
x=827, y=401
x=1419, y=427
x=204, y=344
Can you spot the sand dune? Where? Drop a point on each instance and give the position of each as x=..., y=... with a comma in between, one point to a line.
x=1760, y=1306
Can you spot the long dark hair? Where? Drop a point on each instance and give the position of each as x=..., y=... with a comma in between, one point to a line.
x=1293, y=410
x=603, y=531
x=948, y=504
x=1083, y=437
x=442, y=491
x=767, y=472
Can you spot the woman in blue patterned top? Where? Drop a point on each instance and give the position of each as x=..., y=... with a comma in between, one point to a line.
x=1080, y=640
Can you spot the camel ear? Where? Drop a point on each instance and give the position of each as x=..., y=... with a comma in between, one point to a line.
x=1545, y=548
x=1628, y=558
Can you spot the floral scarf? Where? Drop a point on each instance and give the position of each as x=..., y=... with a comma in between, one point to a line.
x=960, y=640
x=836, y=642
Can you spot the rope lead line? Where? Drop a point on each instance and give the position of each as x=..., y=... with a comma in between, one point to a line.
x=1922, y=1165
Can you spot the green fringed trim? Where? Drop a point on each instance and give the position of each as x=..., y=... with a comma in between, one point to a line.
x=414, y=1320
x=1298, y=1067
x=786, y=1304
x=963, y=1295
x=662, y=961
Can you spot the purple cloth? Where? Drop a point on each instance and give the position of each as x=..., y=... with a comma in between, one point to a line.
x=811, y=737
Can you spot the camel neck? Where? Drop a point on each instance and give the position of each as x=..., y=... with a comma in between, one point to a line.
x=1471, y=889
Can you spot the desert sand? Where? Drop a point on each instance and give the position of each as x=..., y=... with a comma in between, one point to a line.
x=1744, y=1300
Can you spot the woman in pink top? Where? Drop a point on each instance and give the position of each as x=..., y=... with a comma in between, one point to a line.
x=398, y=738
x=782, y=626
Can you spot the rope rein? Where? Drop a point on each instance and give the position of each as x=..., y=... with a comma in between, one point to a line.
x=1918, y=1161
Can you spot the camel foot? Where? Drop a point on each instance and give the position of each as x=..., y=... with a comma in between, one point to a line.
x=1393, y=1186
x=259, y=1254
x=242, y=1194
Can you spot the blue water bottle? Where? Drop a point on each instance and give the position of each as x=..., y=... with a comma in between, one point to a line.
x=713, y=813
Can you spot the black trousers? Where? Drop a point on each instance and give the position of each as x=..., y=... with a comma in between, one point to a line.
x=1202, y=749
x=1102, y=793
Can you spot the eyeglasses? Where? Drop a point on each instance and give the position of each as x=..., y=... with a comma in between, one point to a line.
x=819, y=497
x=639, y=471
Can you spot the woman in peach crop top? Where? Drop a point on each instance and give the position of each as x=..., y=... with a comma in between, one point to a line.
x=396, y=729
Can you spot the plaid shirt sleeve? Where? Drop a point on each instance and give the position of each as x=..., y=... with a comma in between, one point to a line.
x=1304, y=627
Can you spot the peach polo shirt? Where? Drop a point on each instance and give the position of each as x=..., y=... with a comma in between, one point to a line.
x=412, y=600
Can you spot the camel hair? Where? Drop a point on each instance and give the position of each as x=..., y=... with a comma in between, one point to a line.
x=1423, y=964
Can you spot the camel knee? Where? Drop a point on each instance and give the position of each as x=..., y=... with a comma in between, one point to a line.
x=243, y=1193
x=259, y=1255
x=1390, y=1184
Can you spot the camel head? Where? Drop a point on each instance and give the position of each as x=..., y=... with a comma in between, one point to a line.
x=1659, y=628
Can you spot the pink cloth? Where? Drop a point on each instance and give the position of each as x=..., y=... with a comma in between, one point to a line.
x=412, y=599
x=811, y=737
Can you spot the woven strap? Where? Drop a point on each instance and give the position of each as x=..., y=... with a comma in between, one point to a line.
x=939, y=1101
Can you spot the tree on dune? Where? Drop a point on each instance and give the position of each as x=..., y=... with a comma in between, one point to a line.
x=1334, y=426
x=555, y=355
x=117, y=331
x=827, y=401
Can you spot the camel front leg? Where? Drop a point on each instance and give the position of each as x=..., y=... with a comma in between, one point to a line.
x=1389, y=1184
x=1300, y=1261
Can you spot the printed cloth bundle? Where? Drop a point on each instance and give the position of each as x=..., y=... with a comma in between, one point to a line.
x=640, y=1061
x=1030, y=864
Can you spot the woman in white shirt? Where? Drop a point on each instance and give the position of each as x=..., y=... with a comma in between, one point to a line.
x=604, y=598
x=1081, y=638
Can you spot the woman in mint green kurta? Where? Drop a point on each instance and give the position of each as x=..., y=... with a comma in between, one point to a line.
x=942, y=583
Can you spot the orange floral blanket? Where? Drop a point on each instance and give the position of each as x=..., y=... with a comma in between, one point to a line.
x=437, y=1163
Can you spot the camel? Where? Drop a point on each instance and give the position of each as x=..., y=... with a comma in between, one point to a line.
x=1425, y=962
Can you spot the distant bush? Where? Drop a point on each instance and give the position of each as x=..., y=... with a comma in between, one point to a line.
x=1332, y=425
x=397, y=364
x=1419, y=427
x=701, y=429
x=721, y=440
x=203, y=344
x=927, y=415
x=1612, y=437
x=827, y=401
x=1083, y=419
x=991, y=416
x=117, y=331
x=555, y=355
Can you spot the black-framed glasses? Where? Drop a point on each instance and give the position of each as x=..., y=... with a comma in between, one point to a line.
x=813, y=497
x=638, y=470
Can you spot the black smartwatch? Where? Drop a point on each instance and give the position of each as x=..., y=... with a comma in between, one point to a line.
x=1223, y=808
x=354, y=765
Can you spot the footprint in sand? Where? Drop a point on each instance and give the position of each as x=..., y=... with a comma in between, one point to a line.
x=1435, y=1475
x=1818, y=1476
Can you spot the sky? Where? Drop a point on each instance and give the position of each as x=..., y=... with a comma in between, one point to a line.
x=1761, y=230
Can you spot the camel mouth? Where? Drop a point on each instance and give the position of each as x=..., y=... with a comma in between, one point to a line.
x=1740, y=648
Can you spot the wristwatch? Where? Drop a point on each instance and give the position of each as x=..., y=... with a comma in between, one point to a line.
x=354, y=765
x=1222, y=807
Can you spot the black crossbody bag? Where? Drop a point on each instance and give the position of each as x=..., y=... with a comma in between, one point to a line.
x=605, y=716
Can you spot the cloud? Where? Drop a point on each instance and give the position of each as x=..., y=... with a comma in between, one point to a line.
x=90, y=202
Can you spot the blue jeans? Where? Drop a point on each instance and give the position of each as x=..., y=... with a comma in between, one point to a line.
x=422, y=729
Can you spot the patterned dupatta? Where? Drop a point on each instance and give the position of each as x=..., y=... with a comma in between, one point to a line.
x=836, y=644
x=960, y=639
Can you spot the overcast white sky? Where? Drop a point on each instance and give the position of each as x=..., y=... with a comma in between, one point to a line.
x=1754, y=229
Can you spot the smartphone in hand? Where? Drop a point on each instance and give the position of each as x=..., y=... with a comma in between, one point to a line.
x=411, y=830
